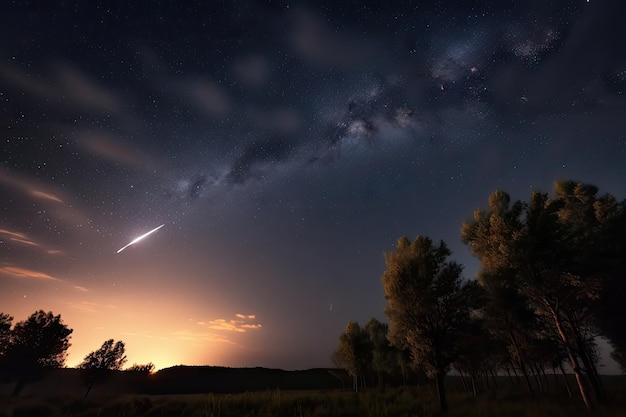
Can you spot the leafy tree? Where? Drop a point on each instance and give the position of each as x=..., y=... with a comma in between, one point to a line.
x=428, y=305
x=555, y=253
x=142, y=368
x=354, y=352
x=482, y=355
x=609, y=310
x=507, y=315
x=384, y=358
x=35, y=345
x=97, y=366
x=5, y=331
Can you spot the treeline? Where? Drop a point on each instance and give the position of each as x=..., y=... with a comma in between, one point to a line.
x=38, y=344
x=551, y=281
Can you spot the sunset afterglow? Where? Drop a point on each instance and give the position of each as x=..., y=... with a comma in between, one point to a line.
x=216, y=183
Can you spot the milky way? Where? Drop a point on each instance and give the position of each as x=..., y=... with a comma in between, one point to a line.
x=287, y=146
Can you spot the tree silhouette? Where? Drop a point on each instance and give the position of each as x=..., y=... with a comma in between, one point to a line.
x=35, y=345
x=610, y=250
x=555, y=253
x=428, y=305
x=354, y=352
x=384, y=358
x=508, y=316
x=97, y=366
x=5, y=332
x=142, y=368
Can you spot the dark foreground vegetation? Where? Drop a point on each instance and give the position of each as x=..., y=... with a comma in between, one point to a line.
x=552, y=280
x=504, y=397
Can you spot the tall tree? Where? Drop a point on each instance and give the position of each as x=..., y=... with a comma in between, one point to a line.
x=354, y=352
x=384, y=358
x=507, y=315
x=428, y=305
x=36, y=344
x=97, y=366
x=552, y=249
x=609, y=310
x=5, y=332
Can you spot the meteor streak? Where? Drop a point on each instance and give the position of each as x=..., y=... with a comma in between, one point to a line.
x=137, y=239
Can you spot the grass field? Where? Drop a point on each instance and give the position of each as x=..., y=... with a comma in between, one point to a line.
x=507, y=400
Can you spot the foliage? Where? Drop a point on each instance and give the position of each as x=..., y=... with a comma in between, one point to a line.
x=355, y=351
x=384, y=354
x=428, y=305
x=32, y=346
x=5, y=332
x=98, y=364
x=143, y=368
x=559, y=255
x=413, y=401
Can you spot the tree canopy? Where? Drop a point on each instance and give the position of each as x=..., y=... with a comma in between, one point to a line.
x=38, y=343
x=428, y=305
x=97, y=365
x=559, y=253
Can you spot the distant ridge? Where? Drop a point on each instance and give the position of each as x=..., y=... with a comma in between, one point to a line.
x=195, y=379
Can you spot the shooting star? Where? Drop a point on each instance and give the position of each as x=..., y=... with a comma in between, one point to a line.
x=141, y=237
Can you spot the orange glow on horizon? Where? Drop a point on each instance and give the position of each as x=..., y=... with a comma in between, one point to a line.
x=149, y=313
x=164, y=336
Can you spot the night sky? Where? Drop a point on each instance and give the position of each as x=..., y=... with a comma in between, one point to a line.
x=284, y=147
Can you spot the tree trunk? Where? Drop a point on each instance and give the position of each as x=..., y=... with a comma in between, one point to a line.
x=569, y=390
x=573, y=360
x=508, y=371
x=474, y=385
x=516, y=375
x=441, y=393
x=546, y=383
x=493, y=378
x=465, y=388
x=529, y=386
x=522, y=366
x=89, y=387
x=537, y=375
x=592, y=371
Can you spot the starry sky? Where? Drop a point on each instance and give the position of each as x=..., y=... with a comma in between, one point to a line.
x=284, y=147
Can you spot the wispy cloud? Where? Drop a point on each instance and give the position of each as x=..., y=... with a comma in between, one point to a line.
x=251, y=326
x=84, y=306
x=207, y=96
x=17, y=272
x=64, y=81
x=46, y=196
x=202, y=337
x=84, y=90
x=13, y=235
x=106, y=145
x=229, y=325
x=28, y=186
x=17, y=237
x=240, y=324
x=24, y=239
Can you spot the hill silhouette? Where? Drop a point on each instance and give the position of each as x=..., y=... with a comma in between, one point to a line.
x=187, y=380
